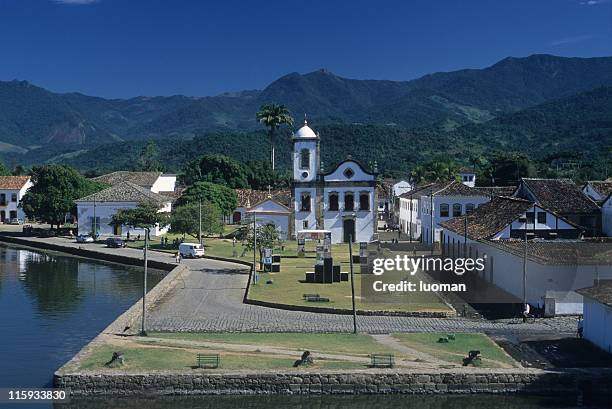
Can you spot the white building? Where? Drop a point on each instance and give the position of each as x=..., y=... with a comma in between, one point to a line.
x=558, y=262
x=467, y=177
x=598, y=314
x=12, y=190
x=409, y=215
x=269, y=211
x=249, y=197
x=445, y=201
x=95, y=211
x=402, y=187
x=341, y=201
x=156, y=182
x=598, y=190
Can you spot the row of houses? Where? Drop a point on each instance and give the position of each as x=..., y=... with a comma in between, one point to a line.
x=549, y=228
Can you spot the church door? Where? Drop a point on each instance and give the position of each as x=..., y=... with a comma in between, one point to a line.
x=349, y=230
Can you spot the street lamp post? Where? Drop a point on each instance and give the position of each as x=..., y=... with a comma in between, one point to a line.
x=143, y=331
x=352, y=284
x=200, y=222
x=254, y=247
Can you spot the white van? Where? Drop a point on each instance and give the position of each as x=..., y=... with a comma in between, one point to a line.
x=191, y=250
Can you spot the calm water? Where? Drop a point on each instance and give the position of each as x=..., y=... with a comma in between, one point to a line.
x=51, y=305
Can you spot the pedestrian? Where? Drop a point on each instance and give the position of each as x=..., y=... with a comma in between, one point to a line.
x=138, y=238
x=580, y=327
x=166, y=241
x=526, y=310
x=128, y=235
x=178, y=257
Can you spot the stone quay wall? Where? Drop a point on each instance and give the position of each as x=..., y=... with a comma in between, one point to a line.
x=198, y=382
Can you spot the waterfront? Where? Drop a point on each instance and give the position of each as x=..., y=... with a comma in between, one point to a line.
x=54, y=304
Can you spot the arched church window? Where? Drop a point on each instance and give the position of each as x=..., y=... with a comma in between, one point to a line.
x=333, y=202
x=304, y=159
x=349, y=201
x=444, y=210
x=364, y=201
x=456, y=209
x=305, y=202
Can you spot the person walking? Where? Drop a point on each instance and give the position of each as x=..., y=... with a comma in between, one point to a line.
x=178, y=257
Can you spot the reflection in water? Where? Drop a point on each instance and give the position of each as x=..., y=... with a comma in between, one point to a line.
x=327, y=402
x=52, y=305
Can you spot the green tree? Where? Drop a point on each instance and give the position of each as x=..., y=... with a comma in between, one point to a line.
x=144, y=216
x=221, y=196
x=3, y=170
x=268, y=237
x=507, y=168
x=218, y=169
x=148, y=161
x=272, y=116
x=186, y=220
x=54, y=190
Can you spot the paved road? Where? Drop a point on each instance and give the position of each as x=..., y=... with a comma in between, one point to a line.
x=209, y=299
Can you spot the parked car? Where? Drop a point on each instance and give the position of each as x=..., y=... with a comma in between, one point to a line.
x=115, y=243
x=14, y=220
x=191, y=250
x=84, y=238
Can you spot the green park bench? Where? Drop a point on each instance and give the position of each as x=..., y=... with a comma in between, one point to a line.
x=207, y=361
x=382, y=360
x=317, y=299
x=310, y=295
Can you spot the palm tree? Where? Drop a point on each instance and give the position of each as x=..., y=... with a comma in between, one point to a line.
x=272, y=116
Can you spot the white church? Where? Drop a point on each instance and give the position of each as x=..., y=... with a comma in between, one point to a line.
x=341, y=201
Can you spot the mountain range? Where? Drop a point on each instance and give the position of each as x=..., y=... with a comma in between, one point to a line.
x=539, y=103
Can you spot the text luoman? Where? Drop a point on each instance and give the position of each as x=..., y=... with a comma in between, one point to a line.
x=421, y=286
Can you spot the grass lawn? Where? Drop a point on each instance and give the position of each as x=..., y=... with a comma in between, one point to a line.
x=455, y=350
x=161, y=358
x=361, y=344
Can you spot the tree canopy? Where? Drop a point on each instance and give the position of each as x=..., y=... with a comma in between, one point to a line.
x=221, y=196
x=215, y=168
x=144, y=216
x=272, y=116
x=54, y=190
x=186, y=220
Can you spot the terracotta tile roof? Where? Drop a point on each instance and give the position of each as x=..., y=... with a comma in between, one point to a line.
x=489, y=218
x=415, y=192
x=252, y=197
x=603, y=187
x=497, y=190
x=145, y=179
x=13, y=182
x=126, y=192
x=601, y=292
x=560, y=252
x=451, y=188
x=560, y=195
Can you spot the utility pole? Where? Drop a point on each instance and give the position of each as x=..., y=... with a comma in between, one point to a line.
x=143, y=331
x=200, y=222
x=525, y=261
x=465, y=222
x=94, y=235
x=352, y=284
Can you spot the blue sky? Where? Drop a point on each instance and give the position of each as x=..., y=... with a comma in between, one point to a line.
x=124, y=48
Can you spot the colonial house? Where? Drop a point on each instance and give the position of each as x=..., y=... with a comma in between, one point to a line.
x=597, y=326
x=557, y=260
x=249, y=197
x=271, y=211
x=96, y=210
x=401, y=187
x=443, y=201
x=467, y=177
x=12, y=190
x=598, y=190
x=341, y=201
x=564, y=198
x=409, y=216
x=156, y=182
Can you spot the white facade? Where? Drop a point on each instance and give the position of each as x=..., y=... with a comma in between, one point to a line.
x=409, y=221
x=271, y=212
x=468, y=178
x=342, y=201
x=165, y=183
x=103, y=213
x=10, y=199
x=402, y=187
x=444, y=208
x=598, y=323
x=550, y=285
